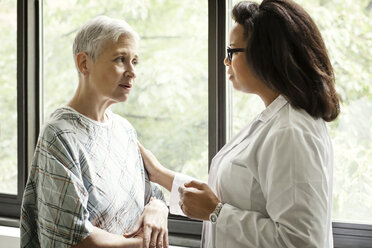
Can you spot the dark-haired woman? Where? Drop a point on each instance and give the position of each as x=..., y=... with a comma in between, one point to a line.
x=270, y=185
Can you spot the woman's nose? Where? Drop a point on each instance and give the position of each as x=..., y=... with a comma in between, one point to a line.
x=130, y=72
x=226, y=61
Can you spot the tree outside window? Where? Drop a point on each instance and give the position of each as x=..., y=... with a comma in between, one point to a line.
x=8, y=97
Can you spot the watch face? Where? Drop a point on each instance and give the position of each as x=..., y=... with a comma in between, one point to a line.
x=213, y=218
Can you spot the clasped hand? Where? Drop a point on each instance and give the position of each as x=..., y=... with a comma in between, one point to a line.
x=153, y=225
x=197, y=200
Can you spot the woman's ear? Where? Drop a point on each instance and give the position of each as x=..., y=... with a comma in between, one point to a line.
x=82, y=62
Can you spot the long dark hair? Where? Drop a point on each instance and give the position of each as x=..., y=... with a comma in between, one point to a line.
x=286, y=51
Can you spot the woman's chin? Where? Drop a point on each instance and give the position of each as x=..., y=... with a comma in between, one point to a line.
x=236, y=85
x=122, y=98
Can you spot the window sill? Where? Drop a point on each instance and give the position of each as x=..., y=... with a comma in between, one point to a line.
x=9, y=236
x=345, y=235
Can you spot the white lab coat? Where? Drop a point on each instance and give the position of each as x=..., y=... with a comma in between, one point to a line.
x=275, y=180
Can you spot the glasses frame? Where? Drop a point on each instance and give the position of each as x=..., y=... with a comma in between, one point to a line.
x=231, y=51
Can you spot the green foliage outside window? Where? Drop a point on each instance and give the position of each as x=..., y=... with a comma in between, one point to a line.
x=8, y=97
x=168, y=105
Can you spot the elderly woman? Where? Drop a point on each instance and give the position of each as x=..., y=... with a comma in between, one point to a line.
x=271, y=184
x=87, y=185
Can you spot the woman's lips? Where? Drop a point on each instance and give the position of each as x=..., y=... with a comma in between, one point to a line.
x=126, y=86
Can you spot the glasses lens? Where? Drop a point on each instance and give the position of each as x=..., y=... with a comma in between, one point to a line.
x=229, y=54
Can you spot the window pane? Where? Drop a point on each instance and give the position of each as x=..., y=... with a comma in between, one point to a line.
x=169, y=104
x=346, y=27
x=8, y=97
x=244, y=106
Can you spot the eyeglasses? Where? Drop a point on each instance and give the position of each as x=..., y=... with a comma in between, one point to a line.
x=231, y=51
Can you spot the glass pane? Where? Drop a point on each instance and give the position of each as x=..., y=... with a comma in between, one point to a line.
x=244, y=107
x=169, y=104
x=346, y=27
x=8, y=97
x=352, y=131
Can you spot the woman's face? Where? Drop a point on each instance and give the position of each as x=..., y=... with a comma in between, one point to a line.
x=239, y=72
x=113, y=73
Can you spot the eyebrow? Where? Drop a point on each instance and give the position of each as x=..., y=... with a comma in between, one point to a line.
x=120, y=53
x=123, y=53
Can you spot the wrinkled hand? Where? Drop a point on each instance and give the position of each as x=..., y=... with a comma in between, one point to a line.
x=135, y=235
x=197, y=200
x=154, y=225
x=152, y=165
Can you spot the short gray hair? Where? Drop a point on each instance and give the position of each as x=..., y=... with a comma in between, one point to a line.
x=95, y=33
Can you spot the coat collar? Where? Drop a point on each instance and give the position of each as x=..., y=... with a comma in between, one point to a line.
x=272, y=109
x=265, y=116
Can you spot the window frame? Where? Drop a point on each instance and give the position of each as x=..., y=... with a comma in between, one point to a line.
x=30, y=102
x=10, y=205
x=346, y=235
x=217, y=112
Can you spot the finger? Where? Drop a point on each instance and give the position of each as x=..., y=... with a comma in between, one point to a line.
x=154, y=238
x=183, y=207
x=196, y=184
x=142, y=149
x=135, y=229
x=140, y=145
x=181, y=190
x=165, y=241
x=132, y=234
x=160, y=239
x=189, y=194
x=146, y=236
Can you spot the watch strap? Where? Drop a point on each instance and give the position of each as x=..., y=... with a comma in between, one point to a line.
x=218, y=208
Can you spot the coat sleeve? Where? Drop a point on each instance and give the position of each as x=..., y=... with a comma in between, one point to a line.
x=292, y=176
x=178, y=181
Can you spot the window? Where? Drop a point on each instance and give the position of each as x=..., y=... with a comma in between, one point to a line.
x=13, y=107
x=8, y=96
x=182, y=107
x=347, y=30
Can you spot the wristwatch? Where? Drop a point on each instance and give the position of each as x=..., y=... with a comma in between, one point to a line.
x=214, y=215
